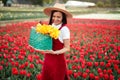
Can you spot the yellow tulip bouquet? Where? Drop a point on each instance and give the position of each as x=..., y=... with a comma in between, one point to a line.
x=48, y=30
x=41, y=36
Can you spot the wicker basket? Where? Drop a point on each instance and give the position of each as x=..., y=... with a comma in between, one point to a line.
x=40, y=41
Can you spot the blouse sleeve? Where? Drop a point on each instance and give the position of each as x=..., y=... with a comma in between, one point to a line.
x=65, y=33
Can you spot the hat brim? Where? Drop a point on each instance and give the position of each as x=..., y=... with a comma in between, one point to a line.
x=48, y=11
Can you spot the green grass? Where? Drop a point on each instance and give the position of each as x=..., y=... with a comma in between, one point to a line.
x=13, y=15
x=115, y=12
x=21, y=8
x=16, y=13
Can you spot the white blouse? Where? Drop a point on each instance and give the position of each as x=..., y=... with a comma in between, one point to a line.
x=64, y=32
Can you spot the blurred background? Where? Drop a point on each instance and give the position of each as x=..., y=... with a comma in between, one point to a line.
x=33, y=9
x=99, y=3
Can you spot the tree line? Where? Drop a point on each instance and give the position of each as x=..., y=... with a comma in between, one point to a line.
x=99, y=3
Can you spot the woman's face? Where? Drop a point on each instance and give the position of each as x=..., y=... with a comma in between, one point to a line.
x=57, y=18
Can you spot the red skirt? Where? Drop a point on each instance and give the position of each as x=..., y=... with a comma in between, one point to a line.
x=54, y=67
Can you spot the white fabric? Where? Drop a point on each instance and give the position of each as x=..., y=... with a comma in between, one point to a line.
x=64, y=32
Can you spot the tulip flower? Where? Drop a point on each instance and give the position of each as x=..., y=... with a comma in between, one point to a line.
x=94, y=50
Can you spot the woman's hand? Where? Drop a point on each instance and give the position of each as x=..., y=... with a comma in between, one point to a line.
x=47, y=51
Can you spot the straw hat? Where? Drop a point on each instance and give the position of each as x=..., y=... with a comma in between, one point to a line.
x=58, y=7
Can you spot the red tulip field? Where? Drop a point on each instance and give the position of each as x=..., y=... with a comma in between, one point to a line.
x=94, y=53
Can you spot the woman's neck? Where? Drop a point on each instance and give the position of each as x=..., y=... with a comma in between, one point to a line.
x=57, y=24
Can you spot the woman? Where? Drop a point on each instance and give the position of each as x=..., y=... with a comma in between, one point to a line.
x=54, y=67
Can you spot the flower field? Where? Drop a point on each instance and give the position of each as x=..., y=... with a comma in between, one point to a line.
x=94, y=54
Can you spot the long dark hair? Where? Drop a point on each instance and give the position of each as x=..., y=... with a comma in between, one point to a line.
x=64, y=18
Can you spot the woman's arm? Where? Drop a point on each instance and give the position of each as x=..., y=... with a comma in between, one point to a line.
x=65, y=48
